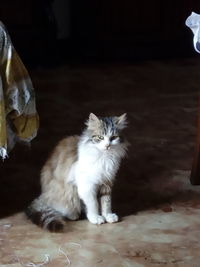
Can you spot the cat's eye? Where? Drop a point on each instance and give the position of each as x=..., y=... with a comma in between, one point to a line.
x=114, y=137
x=100, y=137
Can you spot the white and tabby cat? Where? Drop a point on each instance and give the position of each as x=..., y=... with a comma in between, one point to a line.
x=81, y=170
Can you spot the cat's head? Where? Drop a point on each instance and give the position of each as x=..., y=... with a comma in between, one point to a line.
x=105, y=132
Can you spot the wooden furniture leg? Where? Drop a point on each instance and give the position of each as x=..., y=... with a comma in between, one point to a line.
x=195, y=173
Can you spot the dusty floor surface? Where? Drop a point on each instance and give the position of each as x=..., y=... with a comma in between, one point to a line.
x=159, y=208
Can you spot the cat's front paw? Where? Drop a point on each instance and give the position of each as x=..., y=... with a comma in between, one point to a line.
x=111, y=217
x=96, y=219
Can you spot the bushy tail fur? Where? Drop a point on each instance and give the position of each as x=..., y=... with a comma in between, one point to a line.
x=45, y=216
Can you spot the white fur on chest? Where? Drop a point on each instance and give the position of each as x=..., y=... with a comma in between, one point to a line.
x=94, y=166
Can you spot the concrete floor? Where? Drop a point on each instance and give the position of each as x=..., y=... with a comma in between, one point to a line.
x=158, y=207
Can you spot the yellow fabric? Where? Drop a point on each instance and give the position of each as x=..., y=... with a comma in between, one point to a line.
x=14, y=73
x=17, y=97
x=25, y=126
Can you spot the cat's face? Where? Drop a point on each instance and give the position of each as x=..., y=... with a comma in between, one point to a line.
x=105, y=133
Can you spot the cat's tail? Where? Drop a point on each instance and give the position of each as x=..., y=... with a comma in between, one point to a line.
x=45, y=216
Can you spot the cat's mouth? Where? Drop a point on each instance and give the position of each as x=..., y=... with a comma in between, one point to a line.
x=108, y=147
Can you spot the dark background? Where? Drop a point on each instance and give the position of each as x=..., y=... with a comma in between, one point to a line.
x=47, y=32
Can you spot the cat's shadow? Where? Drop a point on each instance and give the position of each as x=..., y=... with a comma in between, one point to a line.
x=143, y=185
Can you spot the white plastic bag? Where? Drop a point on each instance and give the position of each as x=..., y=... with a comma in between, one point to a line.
x=193, y=22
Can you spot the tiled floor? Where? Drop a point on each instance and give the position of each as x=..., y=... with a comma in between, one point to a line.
x=159, y=208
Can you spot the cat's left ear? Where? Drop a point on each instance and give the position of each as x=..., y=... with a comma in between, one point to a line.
x=121, y=121
x=93, y=121
x=93, y=117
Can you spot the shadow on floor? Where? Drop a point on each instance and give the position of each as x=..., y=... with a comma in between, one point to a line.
x=141, y=184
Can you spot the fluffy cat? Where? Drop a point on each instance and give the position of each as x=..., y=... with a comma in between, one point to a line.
x=81, y=170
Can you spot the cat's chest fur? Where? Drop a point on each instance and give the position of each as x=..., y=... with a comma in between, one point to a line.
x=95, y=166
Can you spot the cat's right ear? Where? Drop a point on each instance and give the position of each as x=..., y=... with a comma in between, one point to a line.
x=121, y=121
